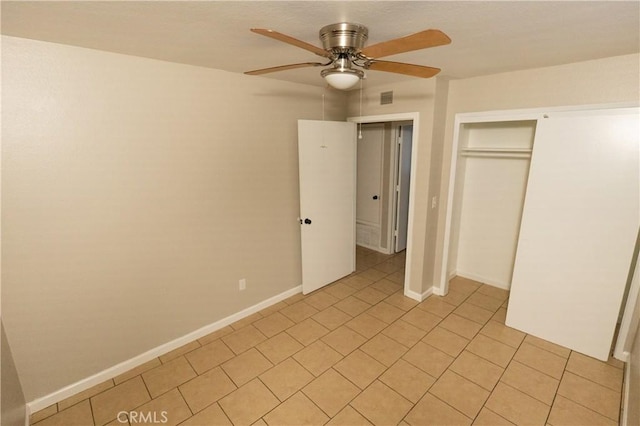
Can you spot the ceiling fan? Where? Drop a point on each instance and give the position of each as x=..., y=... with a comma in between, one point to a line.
x=343, y=47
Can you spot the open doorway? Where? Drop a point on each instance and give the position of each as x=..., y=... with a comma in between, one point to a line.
x=412, y=118
x=383, y=184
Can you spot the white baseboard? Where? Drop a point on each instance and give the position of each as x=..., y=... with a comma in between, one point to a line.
x=438, y=291
x=123, y=367
x=624, y=419
x=374, y=248
x=623, y=356
x=418, y=296
x=485, y=280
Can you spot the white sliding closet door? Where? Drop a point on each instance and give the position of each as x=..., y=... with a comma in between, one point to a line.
x=579, y=225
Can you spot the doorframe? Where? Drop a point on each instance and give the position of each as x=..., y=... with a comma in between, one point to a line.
x=395, y=181
x=414, y=117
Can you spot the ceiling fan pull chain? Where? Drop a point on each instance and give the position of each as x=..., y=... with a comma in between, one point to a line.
x=360, y=131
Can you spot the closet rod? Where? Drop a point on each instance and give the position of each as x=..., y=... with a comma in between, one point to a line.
x=508, y=150
x=495, y=154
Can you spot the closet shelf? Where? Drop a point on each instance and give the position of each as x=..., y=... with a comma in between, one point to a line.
x=496, y=152
x=499, y=150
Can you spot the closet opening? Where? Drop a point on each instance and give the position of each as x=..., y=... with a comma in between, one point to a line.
x=493, y=161
x=531, y=211
x=402, y=119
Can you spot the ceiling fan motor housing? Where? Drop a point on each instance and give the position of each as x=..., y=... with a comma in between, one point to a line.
x=343, y=37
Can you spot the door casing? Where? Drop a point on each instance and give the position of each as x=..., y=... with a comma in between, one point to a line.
x=414, y=117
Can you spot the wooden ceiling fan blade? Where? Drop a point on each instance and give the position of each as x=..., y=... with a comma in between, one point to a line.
x=292, y=41
x=417, y=41
x=402, y=68
x=284, y=68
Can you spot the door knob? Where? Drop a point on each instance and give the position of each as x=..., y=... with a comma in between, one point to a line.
x=307, y=221
x=375, y=197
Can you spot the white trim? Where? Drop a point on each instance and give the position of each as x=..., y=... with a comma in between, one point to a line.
x=624, y=420
x=367, y=223
x=393, y=189
x=535, y=113
x=111, y=372
x=484, y=280
x=491, y=116
x=418, y=296
x=437, y=291
x=625, y=357
x=415, y=117
x=630, y=318
x=373, y=248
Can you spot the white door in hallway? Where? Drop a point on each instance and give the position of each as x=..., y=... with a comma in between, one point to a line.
x=403, y=177
x=327, y=172
x=369, y=175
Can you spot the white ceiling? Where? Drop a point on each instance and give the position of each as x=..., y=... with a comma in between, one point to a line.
x=488, y=37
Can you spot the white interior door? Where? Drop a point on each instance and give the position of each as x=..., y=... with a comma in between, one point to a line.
x=369, y=174
x=402, y=196
x=580, y=221
x=327, y=159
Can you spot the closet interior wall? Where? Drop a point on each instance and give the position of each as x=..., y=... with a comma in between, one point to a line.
x=493, y=167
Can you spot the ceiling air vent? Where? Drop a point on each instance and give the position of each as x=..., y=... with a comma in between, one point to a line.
x=386, y=98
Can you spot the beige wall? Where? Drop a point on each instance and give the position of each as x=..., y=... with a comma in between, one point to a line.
x=609, y=80
x=12, y=401
x=136, y=193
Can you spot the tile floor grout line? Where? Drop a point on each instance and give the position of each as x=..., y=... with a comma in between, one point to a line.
x=544, y=349
x=185, y=399
x=483, y=404
x=150, y=400
x=93, y=416
x=489, y=409
x=223, y=410
x=540, y=371
x=526, y=393
x=262, y=417
x=579, y=403
x=361, y=392
x=340, y=374
x=593, y=381
x=449, y=405
x=555, y=395
x=504, y=370
x=214, y=402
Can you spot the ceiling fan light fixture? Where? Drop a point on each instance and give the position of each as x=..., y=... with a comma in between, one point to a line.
x=342, y=78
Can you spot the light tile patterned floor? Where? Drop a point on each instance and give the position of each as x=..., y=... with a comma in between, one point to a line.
x=356, y=353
